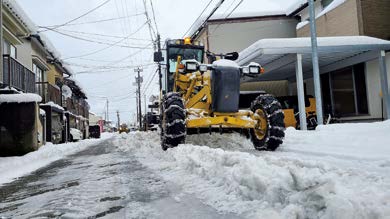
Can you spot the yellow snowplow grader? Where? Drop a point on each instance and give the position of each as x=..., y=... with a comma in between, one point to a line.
x=201, y=98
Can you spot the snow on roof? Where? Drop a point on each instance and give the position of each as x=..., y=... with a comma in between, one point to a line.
x=53, y=105
x=327, y=9
x=299, y=3
x=330, y=7
x=19, y=13
x=20, y=98
x=77, y=83
x=282, y=44
x=295, y=6
x=68, y=68
x=49, y=46
x=248, y=8
x=7, y=88
x=42, y=112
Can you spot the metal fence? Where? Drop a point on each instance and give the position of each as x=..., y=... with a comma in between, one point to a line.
x=17, y=75
x=48, y=92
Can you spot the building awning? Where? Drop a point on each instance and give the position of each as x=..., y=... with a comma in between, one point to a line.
x=291, y=59
x=278, y=56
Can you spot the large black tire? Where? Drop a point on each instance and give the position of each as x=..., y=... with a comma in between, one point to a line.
x=274, y=117
x=173, y=129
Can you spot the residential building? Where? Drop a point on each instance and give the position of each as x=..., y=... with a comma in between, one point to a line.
x=248, y=23
x=21, y=123
x=33, y=76
x=346, y=18
x=77, y=107
x=352, y=92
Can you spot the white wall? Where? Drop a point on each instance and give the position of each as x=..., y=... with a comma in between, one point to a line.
x=236, y=36
x=374, y=86
x=24, y=52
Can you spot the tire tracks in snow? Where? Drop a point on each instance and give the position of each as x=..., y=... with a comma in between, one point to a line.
x=264, y=184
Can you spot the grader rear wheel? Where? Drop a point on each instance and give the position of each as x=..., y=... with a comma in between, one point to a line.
x=173, y=130
x=269, y=132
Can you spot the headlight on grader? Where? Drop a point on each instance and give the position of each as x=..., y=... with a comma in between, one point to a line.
x=252, y=69
x=191, y=66
x=203, y=68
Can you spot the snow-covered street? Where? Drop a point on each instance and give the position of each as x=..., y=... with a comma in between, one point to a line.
x=337, y=171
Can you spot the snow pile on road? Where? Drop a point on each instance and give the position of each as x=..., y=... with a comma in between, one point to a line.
x=13, y=167
x=306, y=178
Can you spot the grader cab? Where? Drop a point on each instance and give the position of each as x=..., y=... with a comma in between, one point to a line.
x=201, y=98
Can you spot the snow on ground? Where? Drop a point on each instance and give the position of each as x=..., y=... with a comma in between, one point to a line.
x=337, y=171
x=13, y=167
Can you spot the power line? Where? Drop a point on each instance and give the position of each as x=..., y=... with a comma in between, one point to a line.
x=83, y=15
x=150, y=81
x=239, y=3
x=108, y=47
x=105, y=67
x=154, y=15
x=200, y=15
x=103, y=35
x=92, y=71
x=151, y=30
x=208, y=17
x=98, y=42
x=92, y=22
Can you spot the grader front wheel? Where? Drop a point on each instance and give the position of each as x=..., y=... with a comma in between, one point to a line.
x=173, y=130
x=269, y=131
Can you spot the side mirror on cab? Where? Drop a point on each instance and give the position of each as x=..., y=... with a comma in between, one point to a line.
x=157, y=57
x=231, y=56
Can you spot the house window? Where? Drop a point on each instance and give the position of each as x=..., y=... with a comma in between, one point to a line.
x=344, y=91
x=325, y=3
x=9, y=49
x=39, y=77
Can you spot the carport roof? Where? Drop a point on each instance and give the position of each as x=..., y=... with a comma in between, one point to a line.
x=278, y=56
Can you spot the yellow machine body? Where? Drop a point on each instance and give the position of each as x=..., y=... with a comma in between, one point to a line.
x=289, y=114
x=198, y=105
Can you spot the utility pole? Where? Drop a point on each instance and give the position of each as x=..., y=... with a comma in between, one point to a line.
x=119, y=120
x=159, y=63
x=316, y=69
x=139, y=80
x=145, y=109
x=1, y=42
x=136, y=104
x=107, y=111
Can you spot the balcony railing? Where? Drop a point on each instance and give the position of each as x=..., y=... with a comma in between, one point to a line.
x=48, y=92
x=17, y=75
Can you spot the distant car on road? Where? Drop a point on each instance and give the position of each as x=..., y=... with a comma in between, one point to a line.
x=94, y=131
x=75, y=134
x=123, y=128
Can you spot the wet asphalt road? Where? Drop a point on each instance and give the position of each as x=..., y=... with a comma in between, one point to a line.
x=99, y=182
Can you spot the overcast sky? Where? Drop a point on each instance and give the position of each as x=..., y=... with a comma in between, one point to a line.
x=173, y=18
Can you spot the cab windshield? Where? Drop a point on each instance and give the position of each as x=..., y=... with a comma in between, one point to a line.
x=185, y=53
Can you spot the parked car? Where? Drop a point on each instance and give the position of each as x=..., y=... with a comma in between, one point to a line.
x=94, y=131
x=75, y=134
